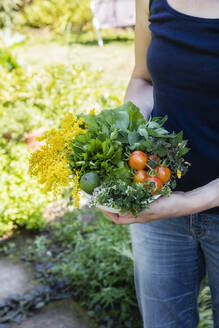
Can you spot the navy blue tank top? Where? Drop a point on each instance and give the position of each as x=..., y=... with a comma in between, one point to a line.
x=183, y=61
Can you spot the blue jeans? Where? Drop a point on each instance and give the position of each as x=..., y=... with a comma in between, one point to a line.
x=171, y=257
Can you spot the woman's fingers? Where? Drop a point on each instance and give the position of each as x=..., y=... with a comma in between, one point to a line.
x=112, y=216
x=126, y=218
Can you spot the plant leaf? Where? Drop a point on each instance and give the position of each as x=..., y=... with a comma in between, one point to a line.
x=133, y=137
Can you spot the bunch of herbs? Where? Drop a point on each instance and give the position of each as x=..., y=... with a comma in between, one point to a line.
x=112, y=135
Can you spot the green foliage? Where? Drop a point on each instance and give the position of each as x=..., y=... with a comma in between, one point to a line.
x=7, y=60
x=28, y=100
x=205, y=307
x=21, y=201
x=115, y=193
x=59, y=15
x=96, y=257
x=111, y=137
x=8, y=12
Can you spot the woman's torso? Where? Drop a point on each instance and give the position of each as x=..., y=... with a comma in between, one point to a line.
x=183, y=61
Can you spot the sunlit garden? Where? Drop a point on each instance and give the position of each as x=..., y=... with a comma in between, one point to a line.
x=51, y=65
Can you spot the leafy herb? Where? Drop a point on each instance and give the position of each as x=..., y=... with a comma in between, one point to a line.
x=111, y=137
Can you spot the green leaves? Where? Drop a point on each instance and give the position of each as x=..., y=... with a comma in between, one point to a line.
x=135, y=116
x=21, y=198
x=142, y=130
x=60, y=16
x=133, y=137
x=108, y=135
x=92, y=123
x=114, y=134
x=7, y=60
x=86, y=238
x=122, y=173
x=121, y=120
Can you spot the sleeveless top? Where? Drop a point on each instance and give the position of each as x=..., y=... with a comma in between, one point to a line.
x=183, y=61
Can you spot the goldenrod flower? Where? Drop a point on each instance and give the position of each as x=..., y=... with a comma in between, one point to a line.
x=50, y=163
x=179, y=174
x=92, y=111
x=76, y=189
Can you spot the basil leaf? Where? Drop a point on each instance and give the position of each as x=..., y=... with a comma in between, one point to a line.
x=143, y=131
x=133, y=137
x=122, y=120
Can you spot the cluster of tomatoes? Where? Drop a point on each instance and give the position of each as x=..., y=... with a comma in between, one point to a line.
x=159, y=175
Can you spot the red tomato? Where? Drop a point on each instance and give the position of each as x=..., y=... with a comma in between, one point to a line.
x=157, y=184
x=154, y=158
x=163, y=173
x=138, y=160
x=140, y=176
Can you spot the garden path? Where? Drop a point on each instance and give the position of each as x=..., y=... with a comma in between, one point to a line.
x=15, y=278
x=62, y=314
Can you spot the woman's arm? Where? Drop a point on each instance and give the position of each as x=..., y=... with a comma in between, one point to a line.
x=140, y=90
x=203, y=198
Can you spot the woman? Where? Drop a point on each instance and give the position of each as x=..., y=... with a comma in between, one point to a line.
x=176, y=241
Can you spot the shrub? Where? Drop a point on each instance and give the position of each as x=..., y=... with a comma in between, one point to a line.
x=31, y=99
x=94, y=256
x=205, y=306
x=7, y=60
x=8, y=12
x=21, y=200
x=59, y=15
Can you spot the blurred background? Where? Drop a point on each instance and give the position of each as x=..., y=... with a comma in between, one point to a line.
x=62, y=267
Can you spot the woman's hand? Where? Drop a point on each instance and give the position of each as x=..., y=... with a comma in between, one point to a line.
x=177, y=204
x=163, y=208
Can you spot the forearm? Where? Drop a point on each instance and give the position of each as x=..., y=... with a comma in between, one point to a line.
x=203, y=198
x=140, y=92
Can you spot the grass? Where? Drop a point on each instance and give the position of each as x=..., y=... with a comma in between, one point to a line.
x=115, y=59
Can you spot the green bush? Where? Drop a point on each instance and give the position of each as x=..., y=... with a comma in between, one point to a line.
x=8, y=12
x=31, y=99
x=205, y=307
x=59, y=15
x=95, y=257
x=21, y=200
x=7, y=60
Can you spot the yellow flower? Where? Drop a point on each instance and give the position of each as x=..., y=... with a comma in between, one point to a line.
x=76, y=190
x=179, y=174
x=50, y=163
x=92, y=111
